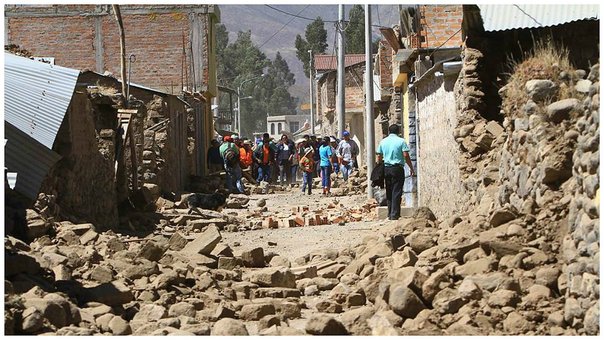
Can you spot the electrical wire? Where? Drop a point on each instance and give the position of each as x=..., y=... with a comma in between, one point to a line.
x=305, y=18
x=292, y=19
x=441, y=45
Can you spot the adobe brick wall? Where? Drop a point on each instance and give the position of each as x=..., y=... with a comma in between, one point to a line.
x=439, y=23
x=353, y=92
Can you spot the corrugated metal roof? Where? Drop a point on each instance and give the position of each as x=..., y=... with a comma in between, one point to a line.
x=507, y=17
x=37, y=96
x=325, y=62
x=29, y=159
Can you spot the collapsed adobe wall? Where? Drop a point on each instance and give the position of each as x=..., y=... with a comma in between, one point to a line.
x=83, y=180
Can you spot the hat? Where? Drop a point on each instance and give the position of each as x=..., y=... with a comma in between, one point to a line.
x=307, y=151
x=332, y=140
x=345, y=133
x=235, y=136
x=247, y=142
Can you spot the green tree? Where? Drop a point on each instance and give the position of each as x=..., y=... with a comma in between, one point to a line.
x=279, y=80
x=355, y=30
x=222, y=42
x=241, y=63
x=315, y=39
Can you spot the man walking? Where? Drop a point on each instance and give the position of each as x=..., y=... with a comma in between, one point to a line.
x=230, y=154
x=264, y=156
x=285, y=154
x=393, y=151
x=347, y=151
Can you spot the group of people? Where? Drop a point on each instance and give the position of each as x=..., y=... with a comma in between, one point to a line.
x=268, y=160
x=280, y=162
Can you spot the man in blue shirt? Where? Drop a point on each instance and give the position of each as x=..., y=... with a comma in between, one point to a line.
x=393, y=150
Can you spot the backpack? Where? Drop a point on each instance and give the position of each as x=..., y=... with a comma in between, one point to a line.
x=230, y=158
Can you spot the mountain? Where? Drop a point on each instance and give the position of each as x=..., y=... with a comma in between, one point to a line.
x=275, y=31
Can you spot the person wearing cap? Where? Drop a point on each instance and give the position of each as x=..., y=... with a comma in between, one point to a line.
x=264, y=155
x=346, y=151
x=307, y=165
x=394, y=152
x=233, y=171
x=246, y=161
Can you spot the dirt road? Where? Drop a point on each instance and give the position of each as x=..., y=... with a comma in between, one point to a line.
x=292, y=243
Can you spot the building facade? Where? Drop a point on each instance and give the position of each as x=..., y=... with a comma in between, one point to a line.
x=289, y=124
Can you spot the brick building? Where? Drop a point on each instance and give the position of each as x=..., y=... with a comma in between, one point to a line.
x=173, y=47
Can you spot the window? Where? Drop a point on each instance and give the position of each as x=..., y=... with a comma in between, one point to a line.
x=294, y=126
x=279, y=128
x=272, y=128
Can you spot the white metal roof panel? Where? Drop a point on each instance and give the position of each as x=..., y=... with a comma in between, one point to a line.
x=29, y=159
x=506, y=17
x=36, y=96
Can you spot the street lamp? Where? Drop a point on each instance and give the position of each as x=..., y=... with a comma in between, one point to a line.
x=238, y=125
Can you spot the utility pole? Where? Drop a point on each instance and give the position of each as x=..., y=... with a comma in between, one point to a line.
x=369, y=126
x=120, y=24
x=341, y=95
x=312, y=94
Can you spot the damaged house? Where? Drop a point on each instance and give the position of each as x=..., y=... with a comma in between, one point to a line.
x=170, y=48
x=72, y=145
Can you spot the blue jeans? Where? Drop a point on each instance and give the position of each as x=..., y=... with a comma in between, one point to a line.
x=336, y=167
x=233, y=178
x=294, y=173
x=264, y=172
x=325, y=179
x=345, y=170
x=306, y=179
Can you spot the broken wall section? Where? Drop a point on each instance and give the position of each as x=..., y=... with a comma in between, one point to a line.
x=541, y=167
x=83, y=181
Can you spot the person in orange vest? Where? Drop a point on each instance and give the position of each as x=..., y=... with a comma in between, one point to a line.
x=246, y=160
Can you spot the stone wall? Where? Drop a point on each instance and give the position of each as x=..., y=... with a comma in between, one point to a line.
x=581, y=246
x=540, y=168
x=438, y=171
x=83, y=180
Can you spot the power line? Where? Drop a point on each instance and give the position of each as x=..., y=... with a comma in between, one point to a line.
x=305, y=18
x=296, y=15
x=441, y=45
x=292, y=19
